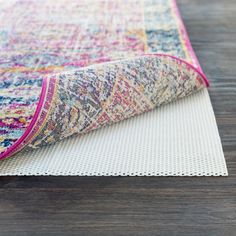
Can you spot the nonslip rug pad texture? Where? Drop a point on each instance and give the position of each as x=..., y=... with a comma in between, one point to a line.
x=179, y=139
x=89, y=78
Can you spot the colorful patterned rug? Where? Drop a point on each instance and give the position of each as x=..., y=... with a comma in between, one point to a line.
x=70, y=67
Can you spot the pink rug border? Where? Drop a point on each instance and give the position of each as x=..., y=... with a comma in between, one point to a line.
x=12, y=148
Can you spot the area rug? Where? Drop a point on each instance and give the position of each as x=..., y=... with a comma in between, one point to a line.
x=76, y=77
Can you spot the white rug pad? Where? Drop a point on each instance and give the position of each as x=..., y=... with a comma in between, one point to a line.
x=178, y=139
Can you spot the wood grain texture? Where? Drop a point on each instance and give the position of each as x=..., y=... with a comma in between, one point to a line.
x=145, y=205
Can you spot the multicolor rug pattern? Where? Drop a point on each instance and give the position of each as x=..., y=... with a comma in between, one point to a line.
x=68, y=67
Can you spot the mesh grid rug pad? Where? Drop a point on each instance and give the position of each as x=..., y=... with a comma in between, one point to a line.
x=150, y=144
x=103, y=88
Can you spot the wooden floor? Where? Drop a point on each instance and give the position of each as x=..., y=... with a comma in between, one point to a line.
x=163, y=206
